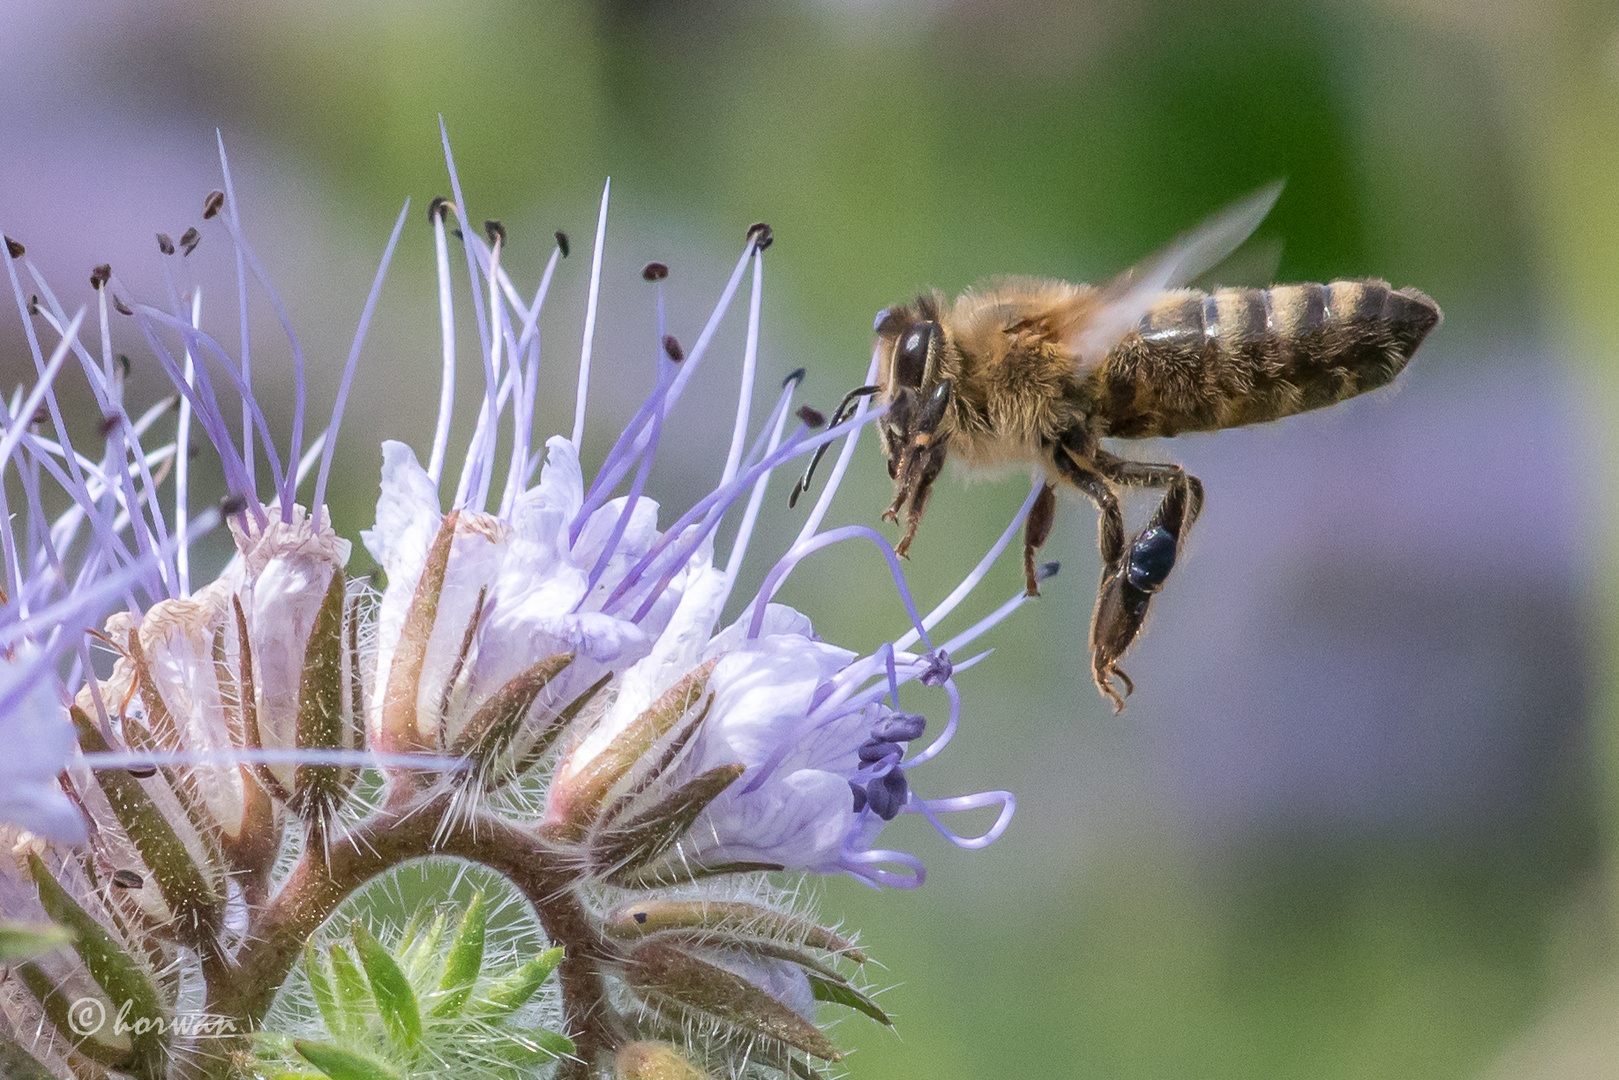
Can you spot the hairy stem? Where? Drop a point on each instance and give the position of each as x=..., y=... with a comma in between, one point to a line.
x=325, y=877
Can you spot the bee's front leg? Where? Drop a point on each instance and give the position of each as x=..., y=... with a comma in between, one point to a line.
x=924, y=465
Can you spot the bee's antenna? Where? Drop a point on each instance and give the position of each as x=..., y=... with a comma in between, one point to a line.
x=844, y=409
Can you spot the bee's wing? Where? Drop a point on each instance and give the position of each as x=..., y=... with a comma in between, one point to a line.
x=1127, y=298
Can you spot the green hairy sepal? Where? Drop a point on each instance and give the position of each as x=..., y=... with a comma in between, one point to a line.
x=439, y=997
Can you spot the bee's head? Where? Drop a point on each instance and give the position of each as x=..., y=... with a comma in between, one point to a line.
x=911, y=344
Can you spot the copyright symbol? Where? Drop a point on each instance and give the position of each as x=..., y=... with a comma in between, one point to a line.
x=86, y=1016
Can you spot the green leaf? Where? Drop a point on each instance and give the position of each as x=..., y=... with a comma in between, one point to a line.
x=841, y=993
x=24, y=941
x=18, y=1064
x=58, y=1010
x=395, y=998
x=128, y=989
x=543, y=1041
x=465, y=959
x=340, y=1064
x=512, y=993
x=655, y=916
x=666, y=972
x=186, y=890
x=318, y=789
x=416, y=957
x=320, y=984
x=354, y=1002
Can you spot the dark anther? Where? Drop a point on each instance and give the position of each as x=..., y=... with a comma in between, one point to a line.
x=42, y=415
x=15, y=249
x=190, y=239
x=1152, y=557
x=654, y=271
x=640, y=916
x=814, y=418
x=761, y=235
x=212, y=204
x=938, y=669
x=100, y=275
x=127, y=879
x=887, y=795
x=121, y=307
x=438, y=209
x=495, y=231
x=457, y=234
x=876, y=751
x=123, y=362
x=672, y=348
x=33, y=304
x=859, y=796
x=142, y=772
x=193, y=451
x=899, y=727
x=165, y=243
x=1048, y=570
x=108, y=425
x=233, y=503
x=562, y=243
x=793, y=377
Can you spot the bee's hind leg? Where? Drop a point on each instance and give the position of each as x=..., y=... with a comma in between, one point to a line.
x=1127, y=590
x=1120, y=608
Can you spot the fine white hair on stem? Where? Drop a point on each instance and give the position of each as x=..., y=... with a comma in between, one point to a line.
x=583, y=391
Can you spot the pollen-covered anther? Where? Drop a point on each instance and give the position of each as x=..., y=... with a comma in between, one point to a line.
x=190, y=239
x=761, y=235
x=100, y=275
x=213, y=204
x=165, y=243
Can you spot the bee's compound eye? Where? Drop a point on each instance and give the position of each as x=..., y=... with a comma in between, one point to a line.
x=911, y=357
x=1152, y=557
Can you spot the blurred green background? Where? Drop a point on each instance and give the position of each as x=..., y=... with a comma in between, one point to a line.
x=1360, y=819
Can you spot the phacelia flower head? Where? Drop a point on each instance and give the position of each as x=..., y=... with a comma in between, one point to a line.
x=556, y=682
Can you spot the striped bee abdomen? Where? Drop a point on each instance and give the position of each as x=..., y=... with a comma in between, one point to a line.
x=1203, y=361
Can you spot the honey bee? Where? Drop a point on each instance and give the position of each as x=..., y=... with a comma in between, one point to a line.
x=1042, y=371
